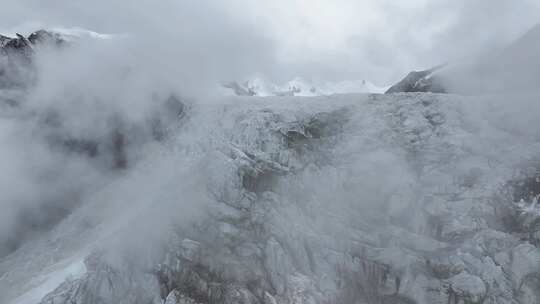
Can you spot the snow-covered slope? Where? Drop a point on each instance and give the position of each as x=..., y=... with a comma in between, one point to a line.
x=299, y=87
x=344, y=199
x=81, y=33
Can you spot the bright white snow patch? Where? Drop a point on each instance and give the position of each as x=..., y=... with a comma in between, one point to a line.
x=46, y=283
x=78, y=33
x=301, y=87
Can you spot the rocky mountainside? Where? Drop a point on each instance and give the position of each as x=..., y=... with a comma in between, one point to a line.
x=355, y=198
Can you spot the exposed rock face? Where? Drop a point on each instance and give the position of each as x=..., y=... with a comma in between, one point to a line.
x=16, y=53
x=43, y=36
x=419, y=81
x=21, y=43
x=4, y=40
x=239, y=90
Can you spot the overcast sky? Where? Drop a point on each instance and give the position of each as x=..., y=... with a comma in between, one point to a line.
x=377, y=40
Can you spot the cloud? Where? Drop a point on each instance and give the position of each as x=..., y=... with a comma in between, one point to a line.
x=203, y=40
x=86, y=92
x=378, y=40
x=187, y=47
x=382, y=40
x=426, y=33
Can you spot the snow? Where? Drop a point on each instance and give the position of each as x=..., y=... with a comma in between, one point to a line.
x=301, y=87
x=77, y=33
x=48, y=281
x=386, y=164
x=67, y=33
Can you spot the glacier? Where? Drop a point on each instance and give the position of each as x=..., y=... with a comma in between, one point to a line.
x=353, y=198
x=298, y=87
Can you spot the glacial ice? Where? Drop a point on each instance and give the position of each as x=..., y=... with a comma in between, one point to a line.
x=344, y=199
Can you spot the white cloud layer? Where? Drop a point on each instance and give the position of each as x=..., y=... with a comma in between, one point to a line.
x=334, y=39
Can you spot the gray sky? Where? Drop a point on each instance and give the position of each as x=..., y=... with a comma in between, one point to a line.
x=334, y=39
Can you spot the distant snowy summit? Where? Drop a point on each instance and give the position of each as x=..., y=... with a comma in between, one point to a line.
x=24, y=45
x=298, y=87
x=56, y=36
x=17, y=51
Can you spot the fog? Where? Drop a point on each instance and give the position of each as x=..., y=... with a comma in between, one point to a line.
x=375, y=40
x=124, y=131
x=98, y=85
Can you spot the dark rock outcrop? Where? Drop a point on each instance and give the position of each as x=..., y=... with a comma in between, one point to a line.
x=4, y=40
x=20, y=45
x=43, y=36
x=16, y=69
x=420, y=81
x=240, y=90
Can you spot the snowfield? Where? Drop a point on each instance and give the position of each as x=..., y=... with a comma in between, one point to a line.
x=354, y=198
x=299, y=87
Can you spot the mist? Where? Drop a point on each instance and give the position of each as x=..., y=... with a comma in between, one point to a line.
x=121, y=153
x=96, y=85
x=375, y=40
